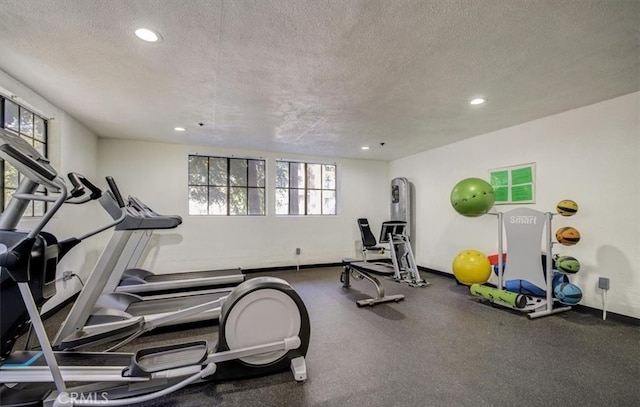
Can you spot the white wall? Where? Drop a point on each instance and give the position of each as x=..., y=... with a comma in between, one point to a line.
x=72, y=147
x=590, y=155
x=158, y=173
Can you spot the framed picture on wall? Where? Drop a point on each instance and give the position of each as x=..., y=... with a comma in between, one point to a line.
x=515, y=184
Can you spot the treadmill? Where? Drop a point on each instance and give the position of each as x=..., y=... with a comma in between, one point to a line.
x=131, y=279
x=100, y=315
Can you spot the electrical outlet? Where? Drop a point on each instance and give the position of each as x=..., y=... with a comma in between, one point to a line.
x=297, y=251
x=603, y=283
x=67, y=275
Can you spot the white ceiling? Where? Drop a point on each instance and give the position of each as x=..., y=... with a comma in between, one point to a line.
x=320, y=77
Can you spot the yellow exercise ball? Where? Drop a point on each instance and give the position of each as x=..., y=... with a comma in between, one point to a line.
x=471, y=267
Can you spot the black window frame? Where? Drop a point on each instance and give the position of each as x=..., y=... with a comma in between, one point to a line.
x=35, y=208
x=229, y=186
x=307, y=188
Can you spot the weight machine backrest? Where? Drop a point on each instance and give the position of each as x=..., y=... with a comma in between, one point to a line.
x=368, y=239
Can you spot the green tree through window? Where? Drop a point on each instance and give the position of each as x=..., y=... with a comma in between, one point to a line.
x=305, y=188
x=33, y=129
x=226, y=186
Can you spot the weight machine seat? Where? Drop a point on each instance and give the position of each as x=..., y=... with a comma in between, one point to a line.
x=367, y=271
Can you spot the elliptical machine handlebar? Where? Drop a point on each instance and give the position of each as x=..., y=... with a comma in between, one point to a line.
x=78, y=188
x=38, y=171
x=79, y=182
x=118, y=214
x=15, y=260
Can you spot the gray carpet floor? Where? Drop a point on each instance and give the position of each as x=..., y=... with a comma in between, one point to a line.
x=438, y=347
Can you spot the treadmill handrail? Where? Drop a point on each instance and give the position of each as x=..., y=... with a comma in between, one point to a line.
x=133, y=219
x=144, y=210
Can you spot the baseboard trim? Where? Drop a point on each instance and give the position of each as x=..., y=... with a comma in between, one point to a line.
x=583, y=309
x=286, y=268
x=578, y=308
x=433, y=271
x=611, y=316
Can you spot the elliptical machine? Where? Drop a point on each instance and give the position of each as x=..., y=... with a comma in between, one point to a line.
x=263, y=327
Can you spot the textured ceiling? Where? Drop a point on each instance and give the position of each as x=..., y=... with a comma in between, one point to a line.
x=320, y=77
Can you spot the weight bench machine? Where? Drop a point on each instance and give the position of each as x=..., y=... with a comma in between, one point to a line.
x=402, y=260
x=401, y=268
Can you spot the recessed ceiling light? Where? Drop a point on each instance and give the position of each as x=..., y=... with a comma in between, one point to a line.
x=148, y=35
x=179, y=129
x=477, y=101
x=364, y=147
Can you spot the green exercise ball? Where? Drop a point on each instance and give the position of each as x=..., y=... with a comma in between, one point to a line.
x=472, y=197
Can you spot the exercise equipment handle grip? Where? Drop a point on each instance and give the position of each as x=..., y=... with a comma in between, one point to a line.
x=116, y=192
x=95, y=191
x=78, y=188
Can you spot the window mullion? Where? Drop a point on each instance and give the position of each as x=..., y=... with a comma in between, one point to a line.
x=321, y=189
x=229, y=186
x=289, y=188
x=247, y=188
x=208, y=186
x=305, y=191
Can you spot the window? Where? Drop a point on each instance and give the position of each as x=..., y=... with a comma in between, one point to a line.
x=33, y=129
x=305, y=188
x=226, y=186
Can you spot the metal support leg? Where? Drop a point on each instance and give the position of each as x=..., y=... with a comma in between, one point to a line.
x=345, y=276
x=38, y=327
x=380, y=297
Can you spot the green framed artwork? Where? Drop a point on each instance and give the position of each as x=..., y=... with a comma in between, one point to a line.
x=514, y=184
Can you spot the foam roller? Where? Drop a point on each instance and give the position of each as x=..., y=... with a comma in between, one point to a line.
x=495, y=294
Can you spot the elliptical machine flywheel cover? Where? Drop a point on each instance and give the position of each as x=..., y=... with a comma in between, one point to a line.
x=261, y=310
